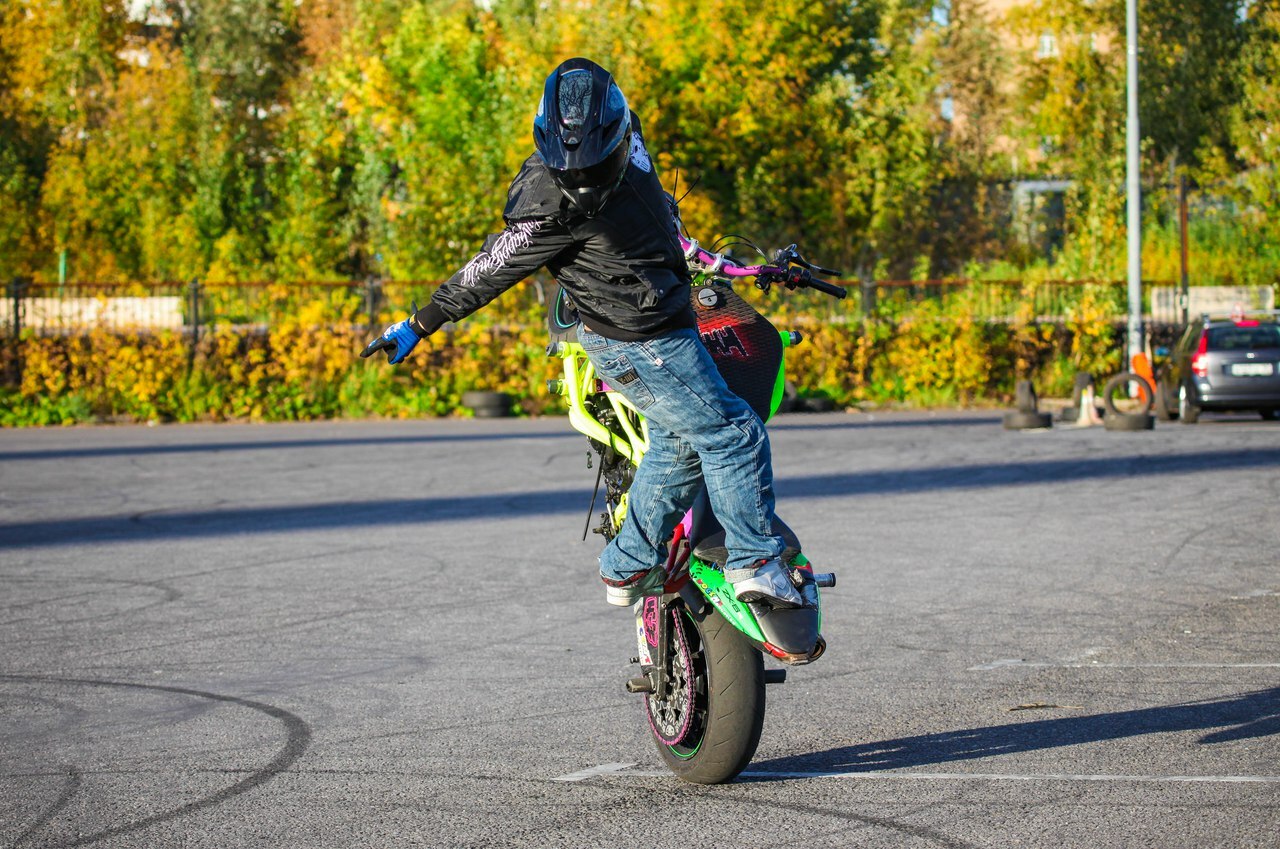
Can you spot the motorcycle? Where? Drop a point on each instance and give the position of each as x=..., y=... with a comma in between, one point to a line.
x=700, y=651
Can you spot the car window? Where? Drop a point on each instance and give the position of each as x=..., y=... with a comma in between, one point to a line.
x=1244, y=338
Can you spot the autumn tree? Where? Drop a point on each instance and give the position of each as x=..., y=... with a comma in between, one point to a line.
x=976, y=90
x=60, y=60
x=240, y=56
x=1255, y=117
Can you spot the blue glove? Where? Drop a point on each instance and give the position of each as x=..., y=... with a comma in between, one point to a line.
x=397, y=340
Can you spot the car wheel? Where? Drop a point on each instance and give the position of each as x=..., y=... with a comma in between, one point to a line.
x=1188, y=412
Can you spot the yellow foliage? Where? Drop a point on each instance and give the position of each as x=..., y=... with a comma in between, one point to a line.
x=306, y=366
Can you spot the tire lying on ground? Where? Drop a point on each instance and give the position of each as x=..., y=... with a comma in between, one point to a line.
x=1027, y=416
x=1018, y=420
x=487, y=405
x=1123, y=421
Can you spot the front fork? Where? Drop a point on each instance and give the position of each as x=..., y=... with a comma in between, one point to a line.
x=653, y=641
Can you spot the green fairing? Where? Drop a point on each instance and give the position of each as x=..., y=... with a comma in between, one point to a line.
x=710, y=581
x=780, y=385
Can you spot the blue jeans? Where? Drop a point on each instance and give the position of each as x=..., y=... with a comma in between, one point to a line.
x=698, y=431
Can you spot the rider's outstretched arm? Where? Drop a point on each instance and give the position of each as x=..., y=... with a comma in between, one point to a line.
x=506, y=259
x=533, y=237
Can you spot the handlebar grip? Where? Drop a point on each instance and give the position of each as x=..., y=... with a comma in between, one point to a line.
x=828, y=288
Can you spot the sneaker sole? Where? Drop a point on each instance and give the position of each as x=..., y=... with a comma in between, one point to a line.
x=622, y=600
x=627, y=596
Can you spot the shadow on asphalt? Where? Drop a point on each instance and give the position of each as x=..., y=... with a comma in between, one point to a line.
x=796, y=422
x=1241, y=717
x=268, y=445
x=192, y=524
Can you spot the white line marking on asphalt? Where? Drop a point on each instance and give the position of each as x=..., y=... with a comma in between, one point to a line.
x=621, y=771
x=1031, y=664
x=603, y=769
x=999, y=664
x=1254, y=594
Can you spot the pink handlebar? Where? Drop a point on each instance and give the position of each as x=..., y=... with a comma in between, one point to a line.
x=791, y=277
x=717, y=264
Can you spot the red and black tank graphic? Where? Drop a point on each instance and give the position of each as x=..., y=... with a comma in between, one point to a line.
x=745, y=346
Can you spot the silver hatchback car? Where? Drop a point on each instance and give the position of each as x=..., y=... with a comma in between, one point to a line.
x=1224, y=364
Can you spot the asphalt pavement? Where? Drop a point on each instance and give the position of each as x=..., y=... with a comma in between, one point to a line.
x=384, y=634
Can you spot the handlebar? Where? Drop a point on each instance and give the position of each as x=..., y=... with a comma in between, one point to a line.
x=788, y=268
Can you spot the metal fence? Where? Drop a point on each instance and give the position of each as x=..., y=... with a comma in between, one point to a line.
x=193, y=307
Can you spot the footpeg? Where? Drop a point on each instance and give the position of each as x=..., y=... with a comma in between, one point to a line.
x=643, y=684
x=824, y=579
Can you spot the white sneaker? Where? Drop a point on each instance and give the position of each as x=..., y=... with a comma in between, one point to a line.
x=770, y=583
x=627, y=593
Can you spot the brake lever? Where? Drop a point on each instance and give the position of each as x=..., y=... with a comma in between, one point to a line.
x=804, y=263
x=791, y=255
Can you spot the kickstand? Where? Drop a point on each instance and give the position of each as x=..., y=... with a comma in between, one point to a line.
x=599, y=474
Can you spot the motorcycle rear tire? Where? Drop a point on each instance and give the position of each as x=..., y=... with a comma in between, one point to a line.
x=729, y=714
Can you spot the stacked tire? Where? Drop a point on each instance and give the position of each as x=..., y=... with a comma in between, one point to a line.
x=487, y=405
x=1027, y=416
x=1117, y=419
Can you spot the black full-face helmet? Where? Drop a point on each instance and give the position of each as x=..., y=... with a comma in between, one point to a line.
x=583, y=133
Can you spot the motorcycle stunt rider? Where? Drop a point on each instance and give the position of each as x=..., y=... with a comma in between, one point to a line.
x=588, y=206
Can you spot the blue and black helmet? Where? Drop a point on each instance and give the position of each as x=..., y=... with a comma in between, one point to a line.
x=583, y=133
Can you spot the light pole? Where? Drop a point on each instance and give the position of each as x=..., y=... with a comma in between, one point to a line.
x=1133, y=187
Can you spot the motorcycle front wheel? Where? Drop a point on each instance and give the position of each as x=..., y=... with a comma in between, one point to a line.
x=708, y=725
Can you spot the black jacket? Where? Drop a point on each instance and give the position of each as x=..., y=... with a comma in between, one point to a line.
x=624, y=270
